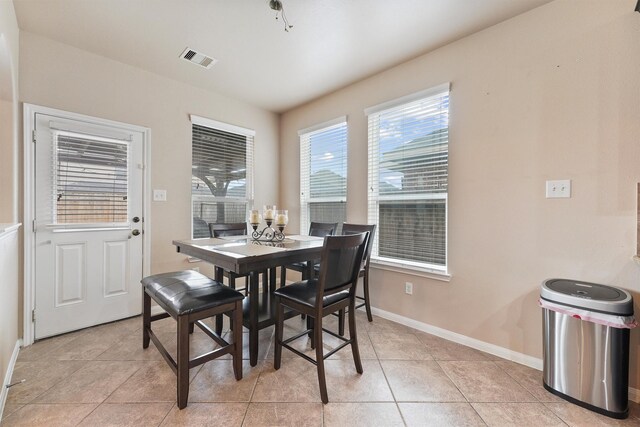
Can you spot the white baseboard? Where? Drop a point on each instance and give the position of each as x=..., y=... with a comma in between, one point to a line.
x=7, y=376
x=502, y=352
x=505, y=353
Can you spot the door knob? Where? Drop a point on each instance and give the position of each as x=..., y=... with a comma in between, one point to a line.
x=136, y=219
x=135, y=232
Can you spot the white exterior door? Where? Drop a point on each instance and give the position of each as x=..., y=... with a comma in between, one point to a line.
x=88, y=224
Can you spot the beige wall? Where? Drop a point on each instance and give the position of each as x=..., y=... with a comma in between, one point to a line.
x=59, y=76
x=551, y=94
x=9, y=174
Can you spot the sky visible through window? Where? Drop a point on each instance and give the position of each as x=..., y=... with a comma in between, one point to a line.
x=398, y=130
x=328, y=165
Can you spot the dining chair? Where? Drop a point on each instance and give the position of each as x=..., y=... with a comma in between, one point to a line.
x=333, y=290
x=316, y=229
x=364, y=269
x=200, y=228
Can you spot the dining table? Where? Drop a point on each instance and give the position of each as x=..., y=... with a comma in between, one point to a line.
x=243, y=255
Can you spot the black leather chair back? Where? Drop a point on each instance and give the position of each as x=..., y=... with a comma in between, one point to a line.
x=361, y=228
x=322, y=229
x=340, y=263
x=234, y=229
x=200, y=228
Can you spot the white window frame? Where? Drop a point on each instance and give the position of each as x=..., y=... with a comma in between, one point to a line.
x=405, y=266
x=305, y=168
x=250, y=167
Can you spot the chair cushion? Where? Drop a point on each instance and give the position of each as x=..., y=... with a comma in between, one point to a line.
x=185, y=292
x=304, y=292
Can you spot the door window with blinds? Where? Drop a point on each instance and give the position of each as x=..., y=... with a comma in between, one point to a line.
x=408, y=174
x=221, y=174
x=90, y=179
x=323, y=173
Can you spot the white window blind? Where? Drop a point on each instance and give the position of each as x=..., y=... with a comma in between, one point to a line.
x=222, y=175
x=90, y=179
x=408, y=174
x=323, y=173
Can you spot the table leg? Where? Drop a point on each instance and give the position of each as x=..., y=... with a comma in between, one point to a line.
x=218, y=274
x=309, y=273
x=272, y=279
x=253, y=317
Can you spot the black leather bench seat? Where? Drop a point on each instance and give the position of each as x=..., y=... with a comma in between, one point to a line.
x=184, y=292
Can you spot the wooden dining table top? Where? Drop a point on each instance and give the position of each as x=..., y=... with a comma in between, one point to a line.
x=242, y=254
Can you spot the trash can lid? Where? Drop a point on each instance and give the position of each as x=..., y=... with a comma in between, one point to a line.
x=588, y=296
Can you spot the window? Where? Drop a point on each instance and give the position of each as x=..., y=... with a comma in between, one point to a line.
x=221, y=174
x=90, y=179
x=323, y=173
x=408, y=173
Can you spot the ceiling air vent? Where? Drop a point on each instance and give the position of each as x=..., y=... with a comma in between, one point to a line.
x=198, y=58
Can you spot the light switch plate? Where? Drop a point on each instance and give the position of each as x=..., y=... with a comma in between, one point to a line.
x=159, y=195
x=558, y=189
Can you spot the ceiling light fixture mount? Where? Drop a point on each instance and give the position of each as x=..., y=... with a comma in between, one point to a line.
x=279, y=8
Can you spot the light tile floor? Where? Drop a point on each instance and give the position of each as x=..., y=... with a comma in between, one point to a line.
x=101, y=376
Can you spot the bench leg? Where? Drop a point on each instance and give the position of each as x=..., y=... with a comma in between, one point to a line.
x=237, y=341
x=183, y=361
x=146, y=319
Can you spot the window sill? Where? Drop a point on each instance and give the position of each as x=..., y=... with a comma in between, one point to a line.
x=410, y=269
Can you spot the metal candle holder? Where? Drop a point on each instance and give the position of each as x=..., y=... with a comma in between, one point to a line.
x=269, y=233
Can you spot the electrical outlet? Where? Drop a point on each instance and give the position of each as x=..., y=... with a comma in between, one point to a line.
x=159, y=195
x=559, y=189
x=408, y=288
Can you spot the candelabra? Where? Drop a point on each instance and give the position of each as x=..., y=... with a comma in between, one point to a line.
x=271, y=215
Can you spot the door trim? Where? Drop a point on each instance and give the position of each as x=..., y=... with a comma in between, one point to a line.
x=29, y=112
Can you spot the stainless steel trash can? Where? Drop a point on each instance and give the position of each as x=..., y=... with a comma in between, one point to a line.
x=585, y=362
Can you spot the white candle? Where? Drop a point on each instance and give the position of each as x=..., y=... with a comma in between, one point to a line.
x=281, y=219
x=254, y=218
x=268, y=214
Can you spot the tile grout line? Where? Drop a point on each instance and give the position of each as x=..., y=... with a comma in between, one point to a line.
x=537, y=400
x=167, y=414
x=395, y=401
x=55, y=384
x=110, y=394
x=460, y=391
